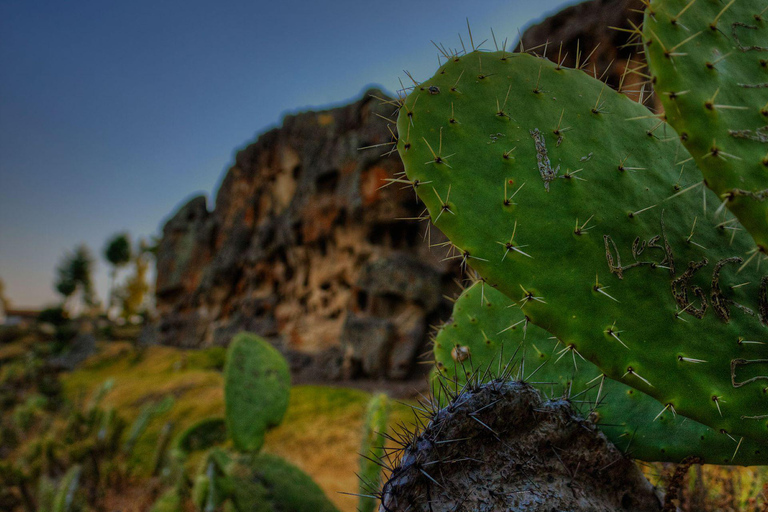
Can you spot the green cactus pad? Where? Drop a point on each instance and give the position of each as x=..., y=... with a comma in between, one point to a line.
x=289, y=487
x=565, y=195
x=477, y=343
x=257, y=483
x=372, y=450
x=256, y=389
x=202, y=435
x=710, y=70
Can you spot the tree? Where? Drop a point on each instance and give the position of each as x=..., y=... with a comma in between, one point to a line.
x=136, y=287
x=74, y=275
x=5, y=304
x=117, y=252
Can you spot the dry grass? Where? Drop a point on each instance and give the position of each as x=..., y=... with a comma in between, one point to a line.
x=321, y=432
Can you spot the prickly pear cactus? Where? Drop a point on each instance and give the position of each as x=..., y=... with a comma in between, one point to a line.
x=477, y=343
x=372, y=451
x=566, y=195
x=256, y=483
x=710, y=70
x=202, y=435
x=256, y=388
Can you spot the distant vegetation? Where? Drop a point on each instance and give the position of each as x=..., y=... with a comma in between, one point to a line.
x=149, y=429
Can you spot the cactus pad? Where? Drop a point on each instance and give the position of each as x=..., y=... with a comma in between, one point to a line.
x=477, y=342
x=257, y=483
x=565, y=195
x=202, y=435
x=710, y=70
x=256, y=389
x=372, y=450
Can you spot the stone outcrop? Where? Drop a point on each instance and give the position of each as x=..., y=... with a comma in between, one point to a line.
x=500, y=447
x=304, y=247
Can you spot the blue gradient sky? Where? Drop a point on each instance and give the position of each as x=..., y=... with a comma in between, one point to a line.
x=113, y=113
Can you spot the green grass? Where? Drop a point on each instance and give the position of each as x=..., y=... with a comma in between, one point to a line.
x=321, y=432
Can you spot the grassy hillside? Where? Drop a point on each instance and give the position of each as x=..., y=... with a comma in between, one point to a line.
x=321, y=432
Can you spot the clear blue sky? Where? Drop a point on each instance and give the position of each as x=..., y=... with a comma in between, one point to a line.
x=113, y=113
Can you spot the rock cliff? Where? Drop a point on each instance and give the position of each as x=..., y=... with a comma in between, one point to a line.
x=303, y=246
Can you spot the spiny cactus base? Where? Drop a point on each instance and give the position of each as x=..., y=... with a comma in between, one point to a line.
x=499, y=447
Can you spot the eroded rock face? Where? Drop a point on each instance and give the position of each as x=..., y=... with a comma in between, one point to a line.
x=303, y=246
x=500, y=448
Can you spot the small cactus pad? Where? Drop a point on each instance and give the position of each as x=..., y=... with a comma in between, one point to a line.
x=203, y=435
x=710, y=70
x=256, y=389
x=565, y=195
x=256, y=483
x=632, y=420
x=372, y=450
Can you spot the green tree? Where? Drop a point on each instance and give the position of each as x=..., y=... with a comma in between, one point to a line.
x=117, y=252
x=74, y=275
x=134, y=292
x=5, y=304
